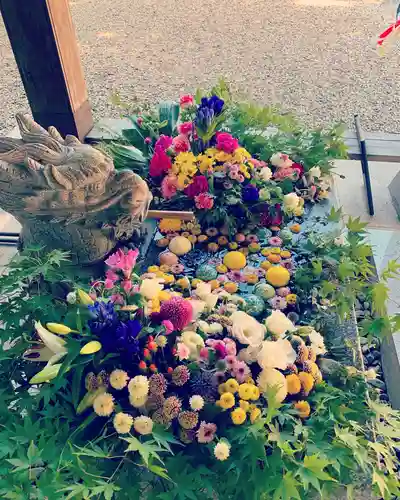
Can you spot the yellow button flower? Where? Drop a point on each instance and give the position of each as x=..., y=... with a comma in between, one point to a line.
x=227, y=400
x=245, y=391
x=255, y=394
x=238, y=416
x=232, y=385
x=303, y=408
x=244, y=405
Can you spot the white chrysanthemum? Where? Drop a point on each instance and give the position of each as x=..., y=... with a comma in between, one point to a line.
x=317, y=342
x=103, y=405
x=194, y=342
x=123, y=423
x=143, y=425
x=150, y=288
x=270, y=378
x=71, y=298
x=138, y=402
x=222, y=450
x=118, y=379
x=276, y=354
x=246, y=329
x=196, y=402
x=204, y=326
x=278, y=323
x=265, y=174
x=139, y=386
x=315, y=172
x=215, y=328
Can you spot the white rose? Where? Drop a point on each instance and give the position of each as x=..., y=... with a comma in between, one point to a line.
x=265, y=174
x=317, y=342
x=203, y=291
x=216, y=328
x=276, y=354
x=273, y=379
x=315, y=172
x=246, y=329
x=249, y=354
x=291, y=201
x=204, y=326
x=281, y=160
x=278, y=323
x=150, y=288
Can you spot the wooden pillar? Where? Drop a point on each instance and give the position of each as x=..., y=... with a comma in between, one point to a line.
x=43, y=40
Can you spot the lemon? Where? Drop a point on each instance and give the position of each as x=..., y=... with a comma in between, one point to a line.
x=278, y=276
x=235, y=260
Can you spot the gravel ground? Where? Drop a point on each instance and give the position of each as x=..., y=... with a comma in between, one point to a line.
x=314, y=57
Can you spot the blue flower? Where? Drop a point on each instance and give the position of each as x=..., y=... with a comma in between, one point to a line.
x=213, y=103
x=250, y=193
x=209, y=108
x=103, y=317
x=126, y=337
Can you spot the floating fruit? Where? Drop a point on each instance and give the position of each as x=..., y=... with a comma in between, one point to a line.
x=206, y=272
x=212, y=247
x=168, y=259
x=277, y=276
x=240, y=238
x=286, y=235
x=162, y=242
x=235, y=260
x=265, y=291
x=180, y=245
x=254, y=305
x=274, y=258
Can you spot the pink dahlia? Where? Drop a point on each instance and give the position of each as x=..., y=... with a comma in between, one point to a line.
x=169, y=327
x=181, y=143
x=160, y=163
x=226, y=142
x=186, y=101
x=185, y=128
x=177, y=310
x=169, y=186
x=163, y=142
x=204, y=201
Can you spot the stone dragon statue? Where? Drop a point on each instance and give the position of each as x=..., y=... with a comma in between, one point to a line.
x=68, y=195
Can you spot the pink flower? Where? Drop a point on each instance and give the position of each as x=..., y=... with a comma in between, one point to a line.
x=163, y=142
x=199, y=185
x=108, y=284
x=93, y=295
x=178, y=310
x=241, y=371
x=123, y=261
x=285, y=173
x=160, y=163
x=169, y=186
x=181, y=143
x=147, y=140
x=185, y=128
x=275, y=241
x=204, y=201
x=169, y=327
x=231, y=361
x=283, y=291
x=278, y=302
x=236, y=276
x=111, y=275
x=230, y=347
x=226, y=142
x=186, y=101
x=220, y=349
x=127, y=285
x=182, y=351
x=240, y=178
x=117, y=298
x=139, y=121
x=206, y=432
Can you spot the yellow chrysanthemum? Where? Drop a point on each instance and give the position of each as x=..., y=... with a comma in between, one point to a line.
x=205, y=163
x=255, y=415
x=211, y=152
x=221, y=268
x=265, y=252
x=183, y=283
x=227, y=400
x=238, y=416
x=118, y=379
x=195, y=282
x=168, y=278
x=246, y=391
x=123, y=423
x=170, y=225
x=223, y=157
x=240, y=155
x=255, y=393
x=275, y=250
x=244, y=405
x=303, y=408
x=232, y=385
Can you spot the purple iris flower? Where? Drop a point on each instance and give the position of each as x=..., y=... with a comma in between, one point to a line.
x=125, y=337
x=103, y=316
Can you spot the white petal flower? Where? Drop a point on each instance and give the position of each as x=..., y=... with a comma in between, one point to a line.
x=265, y=174
x=246, y=329
x=150, y=288
x=270, y=378
x=317, y=342
x=194, y=342
x=280, y=160
x=291, y=201
x=276, y=354
x=315, y=172
x=278, y=323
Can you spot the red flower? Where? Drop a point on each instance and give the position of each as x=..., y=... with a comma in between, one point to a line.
x=177, y=310
x=299, y=168
x=272, y=217
x=204, y=201
x=160, y=163
x=185, y=128
x=199, y=185
x=226, y=142
x=186, y=101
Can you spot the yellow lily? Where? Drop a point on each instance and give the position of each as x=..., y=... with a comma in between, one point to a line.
x=47, y=374
x=59, y=328
x=85, y=298
x=91, y=347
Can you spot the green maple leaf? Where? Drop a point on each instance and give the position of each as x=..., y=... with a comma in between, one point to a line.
x=355, y=225
x=287, y=489
x=380, y=295
x=312, y=471
x=146, y=450
x=335, y=215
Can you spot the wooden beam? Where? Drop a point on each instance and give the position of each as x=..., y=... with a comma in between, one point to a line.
x=43, y=40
